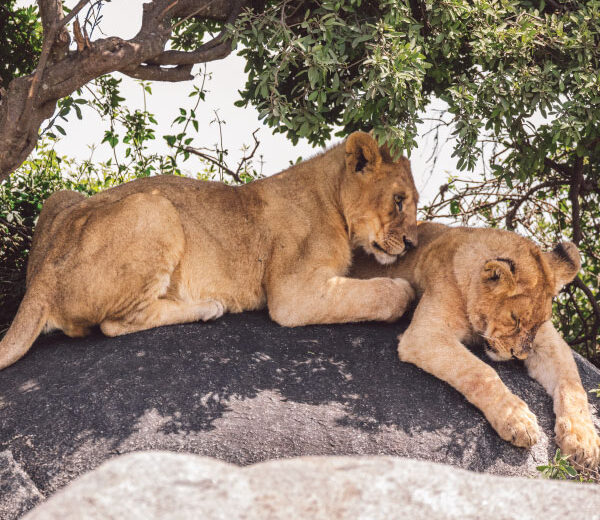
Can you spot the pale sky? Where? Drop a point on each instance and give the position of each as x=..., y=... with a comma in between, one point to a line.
x=122, y=18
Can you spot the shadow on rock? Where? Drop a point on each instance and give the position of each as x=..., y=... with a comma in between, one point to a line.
x=244, y=390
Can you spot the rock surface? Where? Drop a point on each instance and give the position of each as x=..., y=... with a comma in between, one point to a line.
x=18, y=493
x=244, y=390
x=165, y=486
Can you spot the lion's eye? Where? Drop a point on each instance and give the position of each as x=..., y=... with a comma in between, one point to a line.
x=516, y=322
x=398, y=199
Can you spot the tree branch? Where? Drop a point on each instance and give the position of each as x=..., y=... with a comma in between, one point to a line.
x=30, y=100
x=54, y=27
x=557, y=167
x=51, y=14
x=198, y=56
x=156, y=73
x=215, y=49
x=419, y=13
x=74, y=12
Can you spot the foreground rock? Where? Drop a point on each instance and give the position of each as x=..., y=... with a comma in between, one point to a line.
x=163, y=486
x=245, y=390
x=18, y=493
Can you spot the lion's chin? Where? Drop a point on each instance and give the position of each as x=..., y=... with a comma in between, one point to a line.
x=384, y=258
x=380, y=254
x=495, y=356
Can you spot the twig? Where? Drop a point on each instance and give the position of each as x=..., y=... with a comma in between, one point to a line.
x=576, y=182
x=590, y=295
x=74, y=12
x=214, y=161
x=510, y=216
x=246, y=158
x=14, y=228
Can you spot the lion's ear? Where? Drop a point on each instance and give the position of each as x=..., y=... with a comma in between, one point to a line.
x=565, y=262
x=361, y=151
x=398, y=158
x=500, y=274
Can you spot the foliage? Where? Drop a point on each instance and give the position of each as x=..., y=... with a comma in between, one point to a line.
x=22, y=41
x=363, y=64
x=358, y=65
x=560, y=468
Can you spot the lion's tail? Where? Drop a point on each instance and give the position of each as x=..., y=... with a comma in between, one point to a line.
x=26, y=327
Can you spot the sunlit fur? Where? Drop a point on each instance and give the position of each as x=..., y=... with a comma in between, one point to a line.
x=167, y=250
x=491, y=285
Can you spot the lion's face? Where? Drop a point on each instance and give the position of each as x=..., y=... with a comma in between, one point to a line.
x=515, y=298
x=379, y=199
x=510, y=325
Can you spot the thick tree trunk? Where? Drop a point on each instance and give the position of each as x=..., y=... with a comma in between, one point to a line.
x=29, y=100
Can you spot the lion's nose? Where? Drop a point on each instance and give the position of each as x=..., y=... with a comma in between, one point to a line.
x=408, y=243
x=522, y=354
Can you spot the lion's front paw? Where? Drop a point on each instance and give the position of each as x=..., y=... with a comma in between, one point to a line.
x=211, y=310
x=516, y=423
x=577, y=439
x=406, y=289
x=403, y=296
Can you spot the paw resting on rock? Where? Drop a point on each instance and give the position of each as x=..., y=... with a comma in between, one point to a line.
x=578, y=440
x=515, y=423
x=211, y=310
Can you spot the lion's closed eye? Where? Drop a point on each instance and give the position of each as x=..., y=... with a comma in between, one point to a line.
x=516, y=322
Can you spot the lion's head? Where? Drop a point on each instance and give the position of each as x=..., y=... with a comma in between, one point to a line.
x=379, y=199
x=512, y=296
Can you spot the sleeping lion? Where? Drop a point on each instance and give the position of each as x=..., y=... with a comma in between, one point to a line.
x=485, y=283
x=165, y=250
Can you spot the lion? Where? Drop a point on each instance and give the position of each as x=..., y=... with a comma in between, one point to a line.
x=166, y=250
x=474, y=284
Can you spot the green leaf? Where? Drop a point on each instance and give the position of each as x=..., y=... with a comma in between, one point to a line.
x=571, y=470
x=313, y=76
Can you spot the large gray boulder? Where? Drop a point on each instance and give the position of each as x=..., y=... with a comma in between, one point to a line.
x=244, y=390
x=169, y=486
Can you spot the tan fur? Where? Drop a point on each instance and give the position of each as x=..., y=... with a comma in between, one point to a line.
x=167, y=250
x=491, y=284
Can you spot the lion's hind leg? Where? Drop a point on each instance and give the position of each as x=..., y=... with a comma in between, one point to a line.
x=163, y=312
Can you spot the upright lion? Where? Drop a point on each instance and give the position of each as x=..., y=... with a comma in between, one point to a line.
x=497, y=286
x=167, y=250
